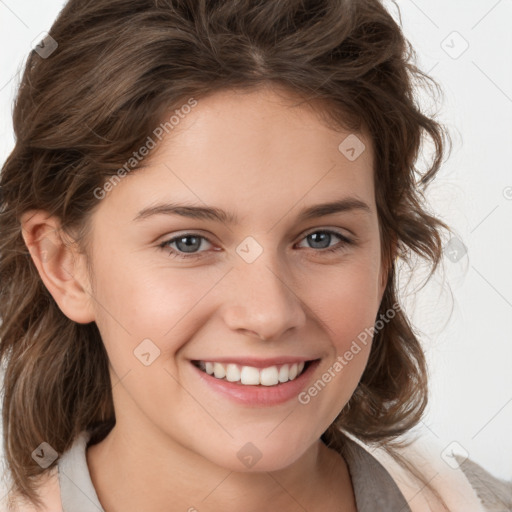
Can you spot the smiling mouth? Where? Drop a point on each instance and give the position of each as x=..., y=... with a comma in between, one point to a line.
x=252, y=376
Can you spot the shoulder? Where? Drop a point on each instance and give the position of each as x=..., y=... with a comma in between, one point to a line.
x=444, y=474
x=48, y=489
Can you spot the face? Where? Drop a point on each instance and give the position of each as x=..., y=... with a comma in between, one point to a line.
x=254, y=292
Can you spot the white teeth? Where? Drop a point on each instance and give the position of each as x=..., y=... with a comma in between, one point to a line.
x=283, y=373
x=251, y=376
x=232, y=373
x=269, y=376
x=219, y=370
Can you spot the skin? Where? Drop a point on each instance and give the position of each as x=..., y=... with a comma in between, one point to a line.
x=261, y=156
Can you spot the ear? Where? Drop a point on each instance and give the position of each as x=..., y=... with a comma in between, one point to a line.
x=61, y=267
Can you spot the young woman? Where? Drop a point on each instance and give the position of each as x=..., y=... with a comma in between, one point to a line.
x=200, y=225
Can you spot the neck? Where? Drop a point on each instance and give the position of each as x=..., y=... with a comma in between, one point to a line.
x=132, y=470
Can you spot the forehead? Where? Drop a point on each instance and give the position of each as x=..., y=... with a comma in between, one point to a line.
x=257, y=150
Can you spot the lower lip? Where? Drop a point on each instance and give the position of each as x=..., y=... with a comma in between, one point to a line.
x=259, y=395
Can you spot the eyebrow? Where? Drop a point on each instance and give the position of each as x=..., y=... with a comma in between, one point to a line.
x=216, y=214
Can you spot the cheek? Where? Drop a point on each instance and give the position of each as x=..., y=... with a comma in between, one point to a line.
x=345, y=299
x=350, y=312
x=347, y=319
x=345, y=302
x=161, y=304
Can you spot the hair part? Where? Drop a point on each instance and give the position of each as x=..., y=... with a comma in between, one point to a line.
x=121, y=66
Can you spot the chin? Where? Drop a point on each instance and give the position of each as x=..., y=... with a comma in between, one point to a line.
x=258, y=456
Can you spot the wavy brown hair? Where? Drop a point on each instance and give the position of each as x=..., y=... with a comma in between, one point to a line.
x=80, y=113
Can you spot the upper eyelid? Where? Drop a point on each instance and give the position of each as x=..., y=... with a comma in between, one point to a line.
x=314, y=230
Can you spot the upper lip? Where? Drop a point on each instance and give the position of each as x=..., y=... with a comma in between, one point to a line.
x=258, y=362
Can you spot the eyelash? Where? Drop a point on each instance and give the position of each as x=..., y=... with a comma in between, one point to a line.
x=176, y=254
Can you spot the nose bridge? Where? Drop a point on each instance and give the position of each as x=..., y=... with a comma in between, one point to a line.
x=263, y=300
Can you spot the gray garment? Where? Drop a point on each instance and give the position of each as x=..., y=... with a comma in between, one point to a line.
x=494, y=493
x=374, y=488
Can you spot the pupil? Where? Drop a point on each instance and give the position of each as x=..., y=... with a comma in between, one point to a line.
x=189, y=247
x=321, y=234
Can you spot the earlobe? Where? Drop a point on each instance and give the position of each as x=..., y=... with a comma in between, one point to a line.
x=60, y=266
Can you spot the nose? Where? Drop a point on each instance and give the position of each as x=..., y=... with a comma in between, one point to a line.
x=262, y=300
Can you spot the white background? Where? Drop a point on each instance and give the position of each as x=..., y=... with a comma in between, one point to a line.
x=463, y=315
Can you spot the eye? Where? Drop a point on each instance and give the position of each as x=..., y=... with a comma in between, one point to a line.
x=188, y=244
x=322, y=238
